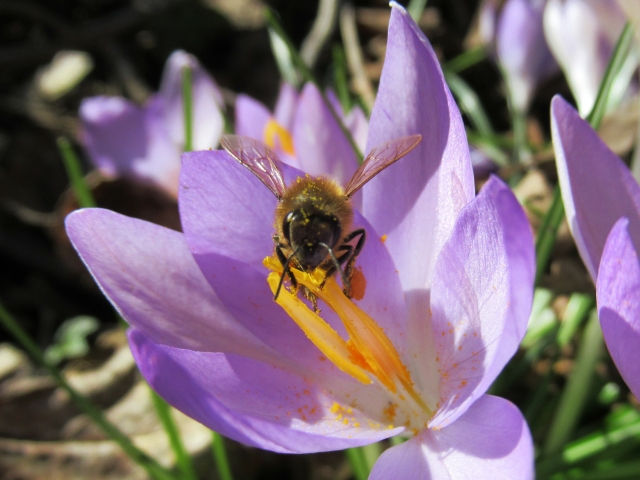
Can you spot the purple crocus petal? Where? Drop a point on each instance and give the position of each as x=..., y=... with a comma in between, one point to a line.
x=618, y=291
x=358, y=124
x=481, y=298
x=169, y=300
x=597, y=187
x=321, y=147
x=207, y=100
x=421, y=195
x=252, y=402
x=251, y=117
x=490, y=441
x=285, y=108
x=124, y=139
x=114, y=133
x=582, y=36
x=522, y=49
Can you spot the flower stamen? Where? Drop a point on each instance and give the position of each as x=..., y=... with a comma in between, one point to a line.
x=368, y=348
x=275, y=134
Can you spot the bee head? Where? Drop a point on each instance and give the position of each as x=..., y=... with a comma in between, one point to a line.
x=309, y=234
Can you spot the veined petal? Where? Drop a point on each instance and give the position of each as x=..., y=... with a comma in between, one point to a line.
x=321, y=147
x=491, y=441
x=254, y=403
x=597, y=187
x=148, y=273
x=618, y=291
x=358, y=124
x=473, y=298
x=421, y=195
x=522, y=49
x=207, y=122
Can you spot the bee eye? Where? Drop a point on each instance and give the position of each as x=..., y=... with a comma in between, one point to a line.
x=286, y=224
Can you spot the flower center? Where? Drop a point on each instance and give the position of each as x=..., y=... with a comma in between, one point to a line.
x=275, y=134
x=368, y=355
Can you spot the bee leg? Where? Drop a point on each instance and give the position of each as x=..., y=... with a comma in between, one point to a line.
x=309, y=295
x=283, y=261
x=350, y=255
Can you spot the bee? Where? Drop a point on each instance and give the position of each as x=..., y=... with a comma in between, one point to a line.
x=314, y=215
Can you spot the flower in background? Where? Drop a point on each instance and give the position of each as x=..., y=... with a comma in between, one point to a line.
x=513, y=31
x=124, y=139
x=445, y=289
x=303, y=131
x=602, y=202
x=582, y=36
x=522, y=50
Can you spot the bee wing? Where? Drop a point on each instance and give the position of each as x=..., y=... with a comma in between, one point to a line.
x=257, y=157
x=379, y=158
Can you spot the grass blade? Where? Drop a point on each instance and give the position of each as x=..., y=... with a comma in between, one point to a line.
x=415, y=9
x=163, y=410
x=153, y=468
x=187, y=105
x=358, y=463
x=306, y=73
x=220, y=456
x=469, y=103
x=574, y=396
x=74, y=172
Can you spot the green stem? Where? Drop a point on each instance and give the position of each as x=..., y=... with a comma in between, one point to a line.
x=574, y=396
x=358, y=463
x=187, y=105
x=273, y=23
x=415, y=9
x=220, y=456
x=183, y=459
x=547, y=237
x=74, y=172
x=154, y=469
x=465, y=60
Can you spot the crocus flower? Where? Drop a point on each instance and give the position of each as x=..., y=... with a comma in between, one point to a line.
x=582, y=36
x=602, y=201
x=522, y=50
x=441, y=300
x=303, y=131
x=124, y=139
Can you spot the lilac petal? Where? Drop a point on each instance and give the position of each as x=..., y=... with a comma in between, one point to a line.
x=420, y=196
x=227, y=216
x=251, y=402
x=321, y=147
x=207, y=101
x=522, y=49
x=618, y=291
x=123, y=139
x=358, y=124
x=597, y=187
x=251, y=117
x=169, y=300
x=481, y=297
x=114, y=133
x=490, y=441
x=582, y=36
x=286, y=103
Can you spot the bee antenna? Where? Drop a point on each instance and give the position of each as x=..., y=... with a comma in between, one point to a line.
x=284, y=274
x=345, y=282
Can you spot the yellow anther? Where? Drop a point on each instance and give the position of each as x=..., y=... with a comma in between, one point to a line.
x=275, y=134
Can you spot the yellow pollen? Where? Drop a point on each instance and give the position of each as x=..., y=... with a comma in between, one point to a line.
x=273, y=132
x=368, y=348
